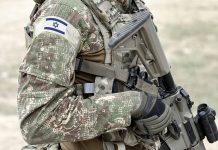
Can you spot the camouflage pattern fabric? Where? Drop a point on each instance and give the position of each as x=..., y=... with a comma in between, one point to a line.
x=42, y=147
x=49, y=111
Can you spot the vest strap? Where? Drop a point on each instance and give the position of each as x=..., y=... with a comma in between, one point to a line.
x=103, y=70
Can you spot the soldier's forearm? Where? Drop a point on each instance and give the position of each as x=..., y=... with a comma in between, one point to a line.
x=55, y=114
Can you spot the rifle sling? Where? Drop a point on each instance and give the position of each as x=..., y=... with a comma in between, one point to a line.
x=110, y=72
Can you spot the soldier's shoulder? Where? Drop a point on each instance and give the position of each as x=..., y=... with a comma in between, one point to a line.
x=73, y=11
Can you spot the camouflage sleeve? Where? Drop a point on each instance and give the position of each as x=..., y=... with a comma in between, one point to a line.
x=48, y=109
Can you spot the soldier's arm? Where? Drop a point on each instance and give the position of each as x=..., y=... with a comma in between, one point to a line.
x=48, y=109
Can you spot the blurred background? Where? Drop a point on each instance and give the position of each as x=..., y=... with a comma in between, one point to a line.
x=188, y=31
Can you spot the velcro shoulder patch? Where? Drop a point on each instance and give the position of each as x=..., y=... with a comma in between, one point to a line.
x=56, y=25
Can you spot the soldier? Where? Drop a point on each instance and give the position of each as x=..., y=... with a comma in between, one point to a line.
x=59, y=103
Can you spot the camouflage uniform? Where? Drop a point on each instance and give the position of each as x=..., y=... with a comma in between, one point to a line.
x=49, y=109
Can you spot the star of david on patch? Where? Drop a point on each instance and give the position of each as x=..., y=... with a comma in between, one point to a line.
x=55, y=24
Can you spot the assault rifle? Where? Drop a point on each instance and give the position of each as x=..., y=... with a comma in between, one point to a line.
x=186, y=132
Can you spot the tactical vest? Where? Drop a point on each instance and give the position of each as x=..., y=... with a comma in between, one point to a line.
x=111, y=16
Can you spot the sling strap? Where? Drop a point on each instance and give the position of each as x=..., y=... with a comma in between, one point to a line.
x=106, y=36
x=104, y=31
x=111, y=72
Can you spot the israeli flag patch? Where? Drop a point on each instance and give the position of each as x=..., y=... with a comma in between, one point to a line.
x=58, y=26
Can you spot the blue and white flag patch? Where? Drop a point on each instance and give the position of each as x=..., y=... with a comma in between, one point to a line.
x=55, y=24
x=58, y=26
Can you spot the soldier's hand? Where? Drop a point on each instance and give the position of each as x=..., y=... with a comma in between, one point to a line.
x=152, y=117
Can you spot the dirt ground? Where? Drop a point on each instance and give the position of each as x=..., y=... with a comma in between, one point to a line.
x=188, y=31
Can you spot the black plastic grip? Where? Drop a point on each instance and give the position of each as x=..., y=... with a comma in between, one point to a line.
x=135, y=24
